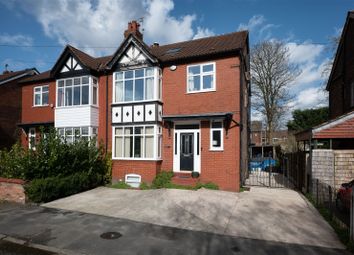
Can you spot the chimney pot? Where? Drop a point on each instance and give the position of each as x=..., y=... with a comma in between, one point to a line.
x=133, y=28
x=155, y=45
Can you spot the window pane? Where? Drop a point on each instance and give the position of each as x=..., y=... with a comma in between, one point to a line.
x=68, y=131
x=45, y=98
x=119, y=76
x=45, y=89
x=37, y=99
x=208, y=81
x=94, y=95
x=208, y=68
x=149, y=130
x=128, y=146
x=216, y=124
x=149, y=71
x=68, y=82
x=119, y=131
x=139, y=89
x=138, y=146
x=94, y=81
x=68, y=96
x=149, y=90
x=139, y=73
x=194, y=83
x=216, y=138
x=119, y=145
x=159, y=146
x=128, y=92
x=85, y=95
x=76, y=95
x=69, y=139
x=85, y=80
x=60, y=97
x=128, y=74
x=77, y=131
x=84, y=130
x=119, y=91
x=149, y=147
x=128, y=131
x=138, y=130
x=61, y=83
x=76, y=81
x=193, y=70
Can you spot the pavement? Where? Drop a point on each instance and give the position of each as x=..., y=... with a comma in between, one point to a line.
x=262, y=221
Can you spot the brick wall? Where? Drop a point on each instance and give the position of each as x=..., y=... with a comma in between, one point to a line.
x=12, y=190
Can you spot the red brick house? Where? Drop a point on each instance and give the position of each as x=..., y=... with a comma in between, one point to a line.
x=181, y=107
x=10, y=105
x=338, y=132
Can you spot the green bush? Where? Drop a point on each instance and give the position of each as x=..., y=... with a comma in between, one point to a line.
x=144, y=186
x=120, y=185
x=162, y=180
x=48, y=189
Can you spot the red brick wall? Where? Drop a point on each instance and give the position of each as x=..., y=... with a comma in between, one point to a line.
x=146, y=168
x=12, y=190
x=37, y=114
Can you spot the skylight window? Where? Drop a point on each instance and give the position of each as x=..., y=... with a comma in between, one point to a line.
x=173, y=51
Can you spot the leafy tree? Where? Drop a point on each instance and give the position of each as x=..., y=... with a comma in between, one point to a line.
x=272, y=73
x=305, y=119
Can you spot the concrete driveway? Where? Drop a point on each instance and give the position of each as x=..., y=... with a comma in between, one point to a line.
x=277, y=215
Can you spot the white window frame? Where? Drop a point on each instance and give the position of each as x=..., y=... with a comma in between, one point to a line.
x=201, y=74
x=221, y=129
x=91, y=133
x=156, y=142
x=157, y=87
x=90, y=91
x=30, y=136
x=41, y=95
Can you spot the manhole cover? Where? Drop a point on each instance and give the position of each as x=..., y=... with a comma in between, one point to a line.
x=110, y=235
x=235, y=249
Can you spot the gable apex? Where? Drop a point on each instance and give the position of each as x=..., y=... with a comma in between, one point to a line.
x=131, y=52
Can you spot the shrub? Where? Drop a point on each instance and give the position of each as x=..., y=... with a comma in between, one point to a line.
x=48, y=189
x=162, y=180
x=144, y=186
x=120, y=185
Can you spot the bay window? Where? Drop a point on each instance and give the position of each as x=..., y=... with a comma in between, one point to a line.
x=137, y=142
x=72, y=134
x=136, y=85
x=201, y=78
x=77, y=91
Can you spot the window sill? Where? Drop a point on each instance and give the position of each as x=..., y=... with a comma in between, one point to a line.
x=40, y=106
x=77, y=106
x=201, y=91
x=136, y=102
x=137, y=159
x=216, y=150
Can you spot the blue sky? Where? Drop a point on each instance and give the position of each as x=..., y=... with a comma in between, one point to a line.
x=38, y=30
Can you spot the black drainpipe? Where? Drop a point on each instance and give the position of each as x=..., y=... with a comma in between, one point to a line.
x=106, y=144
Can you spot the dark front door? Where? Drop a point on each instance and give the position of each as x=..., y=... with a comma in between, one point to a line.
x=187, y=151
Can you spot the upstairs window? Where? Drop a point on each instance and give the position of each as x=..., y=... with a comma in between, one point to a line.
x=216, y=136
x=201, y=78
x=135, y=85
x=41, y=95
x=77, y=91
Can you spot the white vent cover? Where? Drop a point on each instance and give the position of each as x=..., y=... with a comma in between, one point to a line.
x=133, y=180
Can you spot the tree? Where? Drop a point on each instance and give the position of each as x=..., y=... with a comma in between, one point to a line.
x=305, y=119
x=272, y=74
x=332, y=48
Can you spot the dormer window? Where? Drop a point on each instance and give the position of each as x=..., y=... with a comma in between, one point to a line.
x=136, y=85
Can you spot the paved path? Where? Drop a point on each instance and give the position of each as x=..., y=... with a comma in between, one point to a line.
x=277, y=215
x=263, y=221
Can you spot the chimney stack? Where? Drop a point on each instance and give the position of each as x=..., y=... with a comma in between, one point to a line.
x=155, y=45
x=6, y=71
x=133, y=28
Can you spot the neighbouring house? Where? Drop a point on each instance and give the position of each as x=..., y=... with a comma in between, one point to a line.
x=330, y=146
x=260, y=145
x=181, y=107
x=10, y=105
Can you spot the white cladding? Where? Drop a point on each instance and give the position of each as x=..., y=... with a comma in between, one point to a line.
x=117, y=114
x=150, y=112
x=127, y=113
x=136, y=113
x=77, y=116
x=132, y=54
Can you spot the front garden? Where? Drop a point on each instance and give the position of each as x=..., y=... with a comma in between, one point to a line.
x=56, y=168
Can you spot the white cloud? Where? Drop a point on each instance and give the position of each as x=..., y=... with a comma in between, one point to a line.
x=258, y=26
x=203, y=32
x=310, y=98
x=87, y=23
x=18, y=39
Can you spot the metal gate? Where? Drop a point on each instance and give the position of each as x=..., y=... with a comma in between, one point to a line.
x=267, y=173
